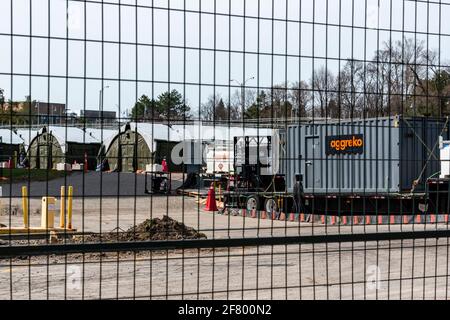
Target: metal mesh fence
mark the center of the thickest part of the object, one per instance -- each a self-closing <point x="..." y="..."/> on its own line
<point x="238" y="149"/>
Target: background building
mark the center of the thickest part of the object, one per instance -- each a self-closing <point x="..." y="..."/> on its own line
<point x="95" y="116"/>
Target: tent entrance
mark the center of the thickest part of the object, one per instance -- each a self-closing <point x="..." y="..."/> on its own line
<point x="128" y="158"/>
<point x="45" y="150"/>
<point x="44" y="159"/>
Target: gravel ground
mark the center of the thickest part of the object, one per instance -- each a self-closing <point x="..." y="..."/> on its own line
<point x="91" y="214"/>
<point x="407" y="270"/>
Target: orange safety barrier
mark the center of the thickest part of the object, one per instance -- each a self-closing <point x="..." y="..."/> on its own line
<point x="333" y="220"/>
<point x="432" y="218"/>
<point x="392" y="219"/>
<point x="405" y="219"/>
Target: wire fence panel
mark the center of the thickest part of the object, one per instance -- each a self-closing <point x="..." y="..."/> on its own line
<point x="241" y="149"/>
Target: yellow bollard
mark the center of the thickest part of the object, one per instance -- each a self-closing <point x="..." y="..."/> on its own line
<point x="69" y="207"/>
<point x="48" y="212"/>
<point x="25" y="207"/>
<point x="62" y="211"/>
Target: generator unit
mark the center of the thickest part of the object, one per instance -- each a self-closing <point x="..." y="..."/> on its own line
<point x="379" y="156"/>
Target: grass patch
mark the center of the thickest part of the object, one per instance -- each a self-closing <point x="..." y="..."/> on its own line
<point x="20" y="175"/>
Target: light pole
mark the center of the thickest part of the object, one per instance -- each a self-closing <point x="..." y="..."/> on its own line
<point x="100" y="101"/>
<point x="2" y="100"/>
<point x="242" y="85"/>
<point x="39" y="116"/>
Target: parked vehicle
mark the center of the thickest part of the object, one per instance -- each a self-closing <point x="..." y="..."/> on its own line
<point x="380" y="166"/>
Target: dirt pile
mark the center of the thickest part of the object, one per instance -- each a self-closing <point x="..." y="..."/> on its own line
<point x="154" y="229"/>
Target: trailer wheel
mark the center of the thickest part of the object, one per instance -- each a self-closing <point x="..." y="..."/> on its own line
<point x="224" y="210"/>
<point x="252" y="203"/>
<point x="271" y="206"/>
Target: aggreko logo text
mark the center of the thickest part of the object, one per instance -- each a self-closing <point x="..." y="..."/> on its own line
<point x="345" y="144"/>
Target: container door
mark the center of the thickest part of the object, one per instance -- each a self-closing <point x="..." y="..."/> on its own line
<point x="313" y="163"/>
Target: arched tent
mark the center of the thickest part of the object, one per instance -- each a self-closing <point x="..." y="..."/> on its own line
<point x="208" y="133"/>
<point x="52" y="145"/>
<point x="140" y="144"/>
<point x="10" y="145"/>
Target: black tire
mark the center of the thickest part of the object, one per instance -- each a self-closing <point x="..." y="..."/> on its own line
<point x="225" y="208"/>
<point x="271" y="206"/>
<point x="251" y="203"/>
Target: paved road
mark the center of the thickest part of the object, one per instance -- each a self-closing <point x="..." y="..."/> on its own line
<point x="407" y="270"/>
<point x="88" y="184"/>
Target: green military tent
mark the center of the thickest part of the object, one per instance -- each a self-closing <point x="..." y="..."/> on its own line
<point x="140" y="144"/>
<point x="52" y="145"/>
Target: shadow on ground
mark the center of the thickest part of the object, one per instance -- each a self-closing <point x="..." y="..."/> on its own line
<point x="91" y="184"/>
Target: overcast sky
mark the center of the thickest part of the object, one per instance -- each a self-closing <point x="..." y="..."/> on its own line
<point x="286" y="54"/>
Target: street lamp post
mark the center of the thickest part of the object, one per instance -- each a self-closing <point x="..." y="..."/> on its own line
<point x="39" y="116"/>
<point x="242" y="85"/>
<point x="2" y="101"/>
<point x="100" y="101"/>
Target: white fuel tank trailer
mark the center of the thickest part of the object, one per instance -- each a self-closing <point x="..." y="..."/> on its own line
<point x="444" y="158"/>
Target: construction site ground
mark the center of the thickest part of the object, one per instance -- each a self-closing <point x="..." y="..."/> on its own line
<point x="333" y="271"/>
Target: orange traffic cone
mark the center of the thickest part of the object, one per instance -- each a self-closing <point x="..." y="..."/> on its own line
<point x="211" y="200"/>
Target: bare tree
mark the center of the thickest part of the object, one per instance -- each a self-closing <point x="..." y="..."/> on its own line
<point x="433" y="89"/>
<point x="350" y="84"/>
<point x="280" y="106"/>
<point x="238" y="99"/>
<point x="216" y="109"/>
<point x="393" y="76"/>
<point x="323" y="84"/>
<point x="299" y="97"/>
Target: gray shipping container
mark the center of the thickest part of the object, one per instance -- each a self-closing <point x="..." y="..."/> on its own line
<point x="394" y="152"/>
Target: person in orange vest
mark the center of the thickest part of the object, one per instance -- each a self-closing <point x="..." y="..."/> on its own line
<point x="165" y="167"/>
